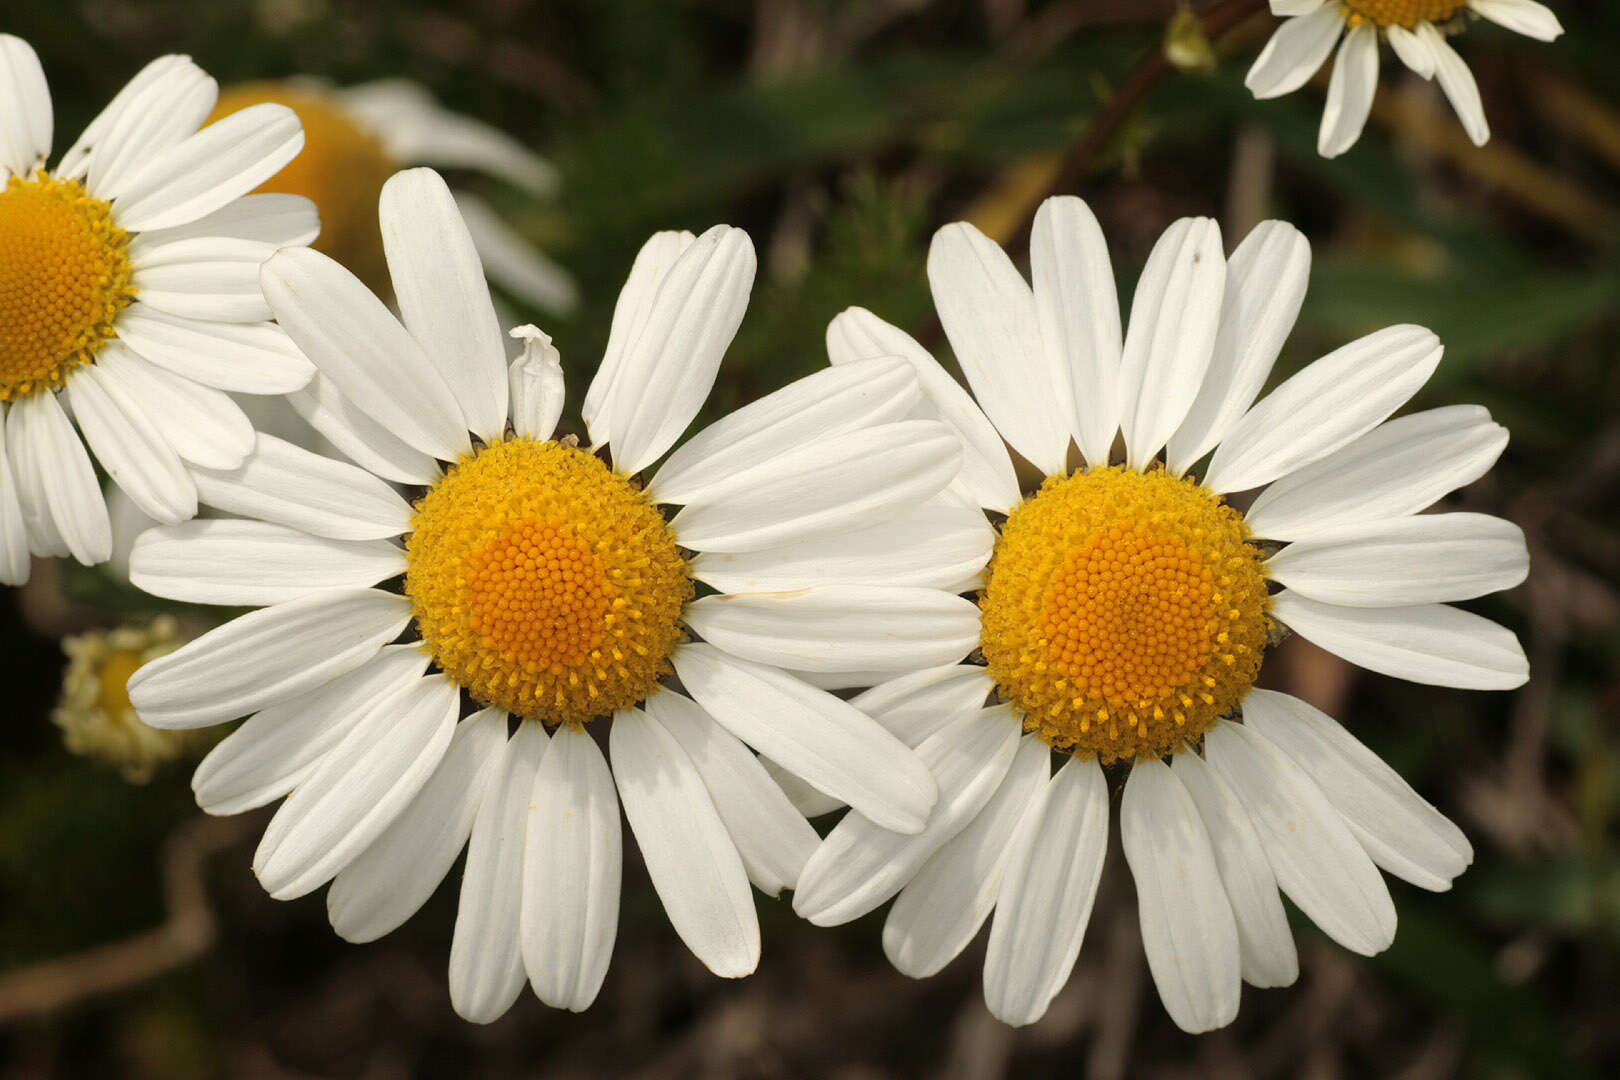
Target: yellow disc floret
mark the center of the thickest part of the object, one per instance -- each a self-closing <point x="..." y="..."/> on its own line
<point x="544" y="583"/>
<point x="64" y="277"/>
<point x="1402" y="13"/>
<point x="1124" y="613"/>
<point x="341" y="169"/>
<point x="94" y="712"/>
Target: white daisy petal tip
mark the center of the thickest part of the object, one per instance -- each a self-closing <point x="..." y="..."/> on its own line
<point x="536" y="378"/>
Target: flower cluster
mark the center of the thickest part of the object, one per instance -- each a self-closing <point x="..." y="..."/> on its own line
<point x="485" y="623"/>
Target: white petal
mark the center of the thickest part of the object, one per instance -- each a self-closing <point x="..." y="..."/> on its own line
<point x="486" y="953"/>
<point x="1521" y="16"/>
<point x="690" y="856"/>
<point x="277" y="747"/>
<point x="1430" y="558"/>
<point x="916" y="705"/>
<point x="839" y="680"/>
<point x="360" y="346"/>
<point x="1050" y="880"/>
<point x="826" y="741"/>
<point x="359" y="437"/>
<point x="358" y="789"/>
<point x="1343" y="395"/>
<point x="772" y="837"/>
<point x="1078" y="307"/>
<point x="26" y="123"/>
<point x="860" y="865"/>
<point x="287" y="485"/>
<point x="1401" y="830"/>
<point x="630" y="315"/>
<point x="512" y="263"/>
<point x="415" y="128"/>
<point x="1411" y="49"/>
<point x="1430" y="643"/>
<point x="205" y="427"/>
<point x="1350" y="91"/>
<point x="213" y="278"/>
<point x="1318" y="863"/>
<point x="1188" y="931"/>
<point x="164" y="112"/>
<point x="1265" y="942"/>
<point x="66" y="479"/>
<point x="27" y="455"/>
<point x="989" y="315"/>
<point x="266" y="656"/>
<point x="1295" y="52"/>
<point x="818" y="407"/>
<point x="840" y="627"/>
<point x="253" y="358"/>
<point x="1175" y="315"/>
<point x="987" y="478"/>
<point x="442" y="296"/>
<point x="573" y="858"/>
<point x="826" y="487"/>
<point x="1396" y="469"/>
<point x="131" y="449"/>
<point x="203" y="172"/>
<point x="248" y="563"/>
<point x="387" y="882"/>
<point x="14" y="563"/>
<point x="1266" y="278"/>
<point x="1458" y="83"/>
<point x="933" y="546"/>
<point x="669" y="367"/>
<point x="807" y="800"/>
<point x="76" y="160"/>
<point x="274" y="219"/>
<point x="946" y="902"/>
<point x="536" y="382"/>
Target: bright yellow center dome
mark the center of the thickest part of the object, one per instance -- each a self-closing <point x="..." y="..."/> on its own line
<point x="544" y="583"/>
<point x="64" y="277"/>
<point x="1125" y="612"/>
<point x="1403" y="13"/>
<point x="342" y="169"/>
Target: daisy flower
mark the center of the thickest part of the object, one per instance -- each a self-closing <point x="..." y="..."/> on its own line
<point x="129" y="286"/>
<point x="546" y="585"/>
<point x="1415" y="29"/>
<point x="1128" y="607"/>
<point x="93" y="709"/>
<point x="359" y="136"/>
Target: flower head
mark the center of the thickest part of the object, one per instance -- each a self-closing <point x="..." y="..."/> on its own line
<point x="553" y="587"/>
<point x="94" y="712"/>
<point x="1415" y="29"/>
<point x="129" y="285"/>
<point x="359" y="136"/>
<point x="1127" y="608"/>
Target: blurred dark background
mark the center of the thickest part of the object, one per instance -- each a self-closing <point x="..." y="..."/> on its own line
<point x="840" y="133"/>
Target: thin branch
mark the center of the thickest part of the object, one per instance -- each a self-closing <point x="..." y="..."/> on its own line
<point x="188" y="933"/>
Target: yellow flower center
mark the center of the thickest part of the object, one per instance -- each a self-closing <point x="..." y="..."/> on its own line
<point x="1125" y="612"/>
<point x="64" y="277"/>
<point x="544" y="583"/>
<point x="112" y="690"/>
<point x="1405" y="13"/>
<point x="342" y="169"/>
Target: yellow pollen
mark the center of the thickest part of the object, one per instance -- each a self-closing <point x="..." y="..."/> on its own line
<point x="342" y="169"/>
<point x="113" y="681"/>
<point x="1125" y="612"/>
<point x="544" y="583"/>
<point x="1403" y="13"/>
<point x="64" y="277"/>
